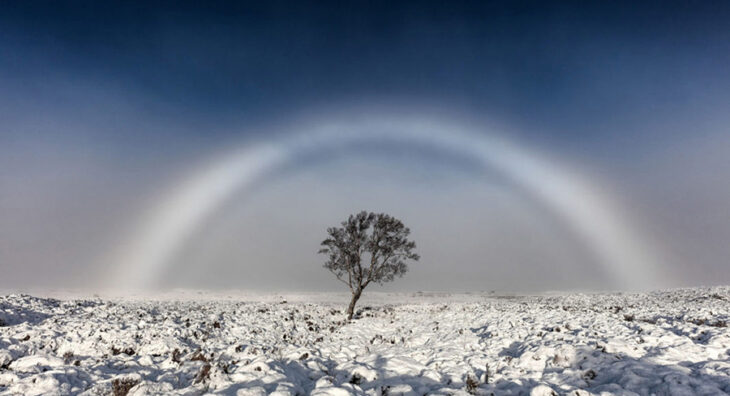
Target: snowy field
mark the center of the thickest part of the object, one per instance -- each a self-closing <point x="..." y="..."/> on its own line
<point x="665" y="343"/>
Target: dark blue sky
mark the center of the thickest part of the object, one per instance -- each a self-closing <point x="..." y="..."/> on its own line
<point x="580" y="70"/>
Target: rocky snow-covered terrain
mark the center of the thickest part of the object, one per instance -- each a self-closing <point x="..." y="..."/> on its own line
<point x="665" y="343"/>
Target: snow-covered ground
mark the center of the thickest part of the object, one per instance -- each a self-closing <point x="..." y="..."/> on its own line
<point x="673" y="342"/>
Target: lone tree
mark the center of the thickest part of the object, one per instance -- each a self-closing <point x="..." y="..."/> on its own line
<point x="369" y="247"/>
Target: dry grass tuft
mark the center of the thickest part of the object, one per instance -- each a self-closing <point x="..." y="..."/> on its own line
<point x="120" y="387"/>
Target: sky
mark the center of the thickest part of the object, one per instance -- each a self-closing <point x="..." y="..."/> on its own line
<point x="110" y="112"/>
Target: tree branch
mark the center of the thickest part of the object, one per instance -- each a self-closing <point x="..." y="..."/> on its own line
<point x="379" y="268"/>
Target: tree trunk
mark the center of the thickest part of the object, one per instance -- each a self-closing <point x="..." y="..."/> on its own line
<point x="351" y="309"/>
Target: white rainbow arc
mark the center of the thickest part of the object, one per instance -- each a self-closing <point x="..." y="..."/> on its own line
<point x="150" y="252"/>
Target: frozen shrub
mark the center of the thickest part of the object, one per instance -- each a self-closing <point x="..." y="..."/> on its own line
<point x="719" y="323"/>
<point x="121" y="386"/>
<point x="176" y="355"/>
<point x="471" y="385"/>
<point x="127" y="351"/>
<point x="198" y="357"/>
<point x="203" y="374"/>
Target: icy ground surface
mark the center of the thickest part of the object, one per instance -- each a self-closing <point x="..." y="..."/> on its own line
<point x="672" y="342"/>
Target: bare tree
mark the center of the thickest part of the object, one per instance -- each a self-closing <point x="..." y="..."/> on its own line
<point x="369" y="247"/>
